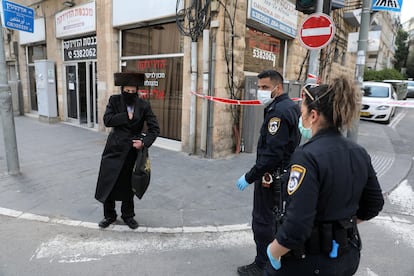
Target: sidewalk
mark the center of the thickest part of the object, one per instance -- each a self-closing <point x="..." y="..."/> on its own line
<point x="59" y="166"/>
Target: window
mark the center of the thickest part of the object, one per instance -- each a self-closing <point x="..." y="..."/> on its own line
<point x="163" y="80"/>
<point x="262" y="51"/>
<point x="36" y="53"/>
<point x="154" y="40"/>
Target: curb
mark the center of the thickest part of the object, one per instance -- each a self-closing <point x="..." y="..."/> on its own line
<point x="124" y="228"/>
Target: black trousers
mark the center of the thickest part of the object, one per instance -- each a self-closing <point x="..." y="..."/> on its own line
<point x="318" y="264"/>
<point x="263" y="236"/>
<point x="127" y="209"/>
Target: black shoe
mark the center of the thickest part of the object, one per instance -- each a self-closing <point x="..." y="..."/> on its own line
<point x="106" y="222"/>
<point x="250" y="270"/>
<point x="131" y="222"/>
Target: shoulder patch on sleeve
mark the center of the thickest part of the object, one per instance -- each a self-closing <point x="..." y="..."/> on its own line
<point x="273" y="126"/>
<point x="297" y="173"/>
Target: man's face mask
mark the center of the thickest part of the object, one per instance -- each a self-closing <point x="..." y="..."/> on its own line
<point x="265" y="96"/>
<point x="129" y="98"/>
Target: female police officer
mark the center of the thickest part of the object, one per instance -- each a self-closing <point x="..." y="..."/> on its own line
<point x="332" y="186"/>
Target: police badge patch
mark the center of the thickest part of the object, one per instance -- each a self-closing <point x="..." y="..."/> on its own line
<point x="273" y="125"/>
<point x="297" y="173"/>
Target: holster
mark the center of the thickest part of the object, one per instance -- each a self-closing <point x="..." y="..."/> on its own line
<point x="277" y="195"/>
<point x="344" y="232"/>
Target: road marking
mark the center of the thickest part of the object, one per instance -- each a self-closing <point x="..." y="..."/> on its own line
<point x="67" y="249"/>
<point x="398" y="118"/>
<point x="382" y="163"/>
<point x="403" y="196"/>
<point x="367" y="272"/>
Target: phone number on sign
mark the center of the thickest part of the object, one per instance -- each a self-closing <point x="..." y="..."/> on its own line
<point x="83" y="53"/>
<point x="262" y="54"/>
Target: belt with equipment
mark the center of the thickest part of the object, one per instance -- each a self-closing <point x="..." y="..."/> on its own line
<point x="332" y="238"/>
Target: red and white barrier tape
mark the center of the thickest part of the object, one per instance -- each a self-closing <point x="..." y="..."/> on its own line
<point x="232" y="101"/>
<point x="315" y="77"/>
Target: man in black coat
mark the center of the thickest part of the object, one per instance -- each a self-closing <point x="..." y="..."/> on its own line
<point x="126" y="113"/>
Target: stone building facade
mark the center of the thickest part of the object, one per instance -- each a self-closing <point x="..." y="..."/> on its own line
<point x="88" y="41"/>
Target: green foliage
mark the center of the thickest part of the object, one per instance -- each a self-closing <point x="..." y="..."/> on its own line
<point x="401" y="52"/>
<point x="386" y="74"/>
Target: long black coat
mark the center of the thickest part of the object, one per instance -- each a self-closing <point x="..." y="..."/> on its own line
<point x="118" y="157"/>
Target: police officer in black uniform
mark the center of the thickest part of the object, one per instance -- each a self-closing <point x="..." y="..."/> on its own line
<point x="279" y="136"/>
<point x="332" y="186"/>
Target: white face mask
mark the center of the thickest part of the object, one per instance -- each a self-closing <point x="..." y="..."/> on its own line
<point x="264" y="96"/>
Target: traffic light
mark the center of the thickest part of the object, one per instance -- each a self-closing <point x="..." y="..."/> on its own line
<point x="306" y="6"/>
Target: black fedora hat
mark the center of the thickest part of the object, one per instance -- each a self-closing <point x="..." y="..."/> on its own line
<point x="129" y="79"/>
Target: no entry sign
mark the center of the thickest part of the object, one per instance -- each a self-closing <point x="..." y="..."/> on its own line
<point x="316" y="31"/>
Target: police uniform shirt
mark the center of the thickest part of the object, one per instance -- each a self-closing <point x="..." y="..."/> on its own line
<point x="331" y="178"/>
<point x="279" y="136"/>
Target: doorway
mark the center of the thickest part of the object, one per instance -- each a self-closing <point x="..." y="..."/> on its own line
<point x="81" y="97"/>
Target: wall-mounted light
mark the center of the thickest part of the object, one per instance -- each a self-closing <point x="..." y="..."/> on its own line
<point x="69" y="4"/>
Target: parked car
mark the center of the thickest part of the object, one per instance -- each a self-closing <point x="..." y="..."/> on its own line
<point x="374" y="99"/>
<point x="410" y="88"/>
<point x="400" y="88"/>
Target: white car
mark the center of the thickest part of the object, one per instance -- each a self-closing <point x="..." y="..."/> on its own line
<point x="374" y="106"/>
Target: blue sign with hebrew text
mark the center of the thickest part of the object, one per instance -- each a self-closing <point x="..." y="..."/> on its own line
<point x="387" y="5"/>
<point x="18" y="17"/>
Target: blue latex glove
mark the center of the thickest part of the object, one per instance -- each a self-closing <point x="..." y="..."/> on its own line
<point x="275" y="263"/>
<point x="242" y="183"/>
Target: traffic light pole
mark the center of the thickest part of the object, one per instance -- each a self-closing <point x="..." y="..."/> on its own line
<point x="360" y="62"/>
<point x="6" y="114"/>
<point x="313" y="68"/>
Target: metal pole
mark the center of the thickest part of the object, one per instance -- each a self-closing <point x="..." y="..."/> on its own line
<point x="193" y="103"/>
<point x="206" y="52"/>
<point x="352" y="133"/>
<point x="313" y="67"/>
<point x="6" y="114"/>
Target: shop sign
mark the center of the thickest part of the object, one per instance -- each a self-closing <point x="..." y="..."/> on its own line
<point x="127" y="12"/>
<point x="262" y="51"/>
<point x="83" y="48"/>
<point x="264" y="55"/>
<point x="75" y="21"/>
<point x="279" y="15"/>
<point x="153" y="71"/>
<point x="374" y="38"/>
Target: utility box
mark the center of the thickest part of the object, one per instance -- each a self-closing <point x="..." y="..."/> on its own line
<point x="252" y="116"/>
<point x="46" y="90"/>
<point x="293" y="88"/>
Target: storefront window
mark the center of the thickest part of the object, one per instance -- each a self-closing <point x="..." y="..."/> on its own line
<point x="36" y="53"/>
<point x="154" y="40"/>
<point x="163" y="75"/>
<point x="163" y="88"/>
<point x="262" y="51"/>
